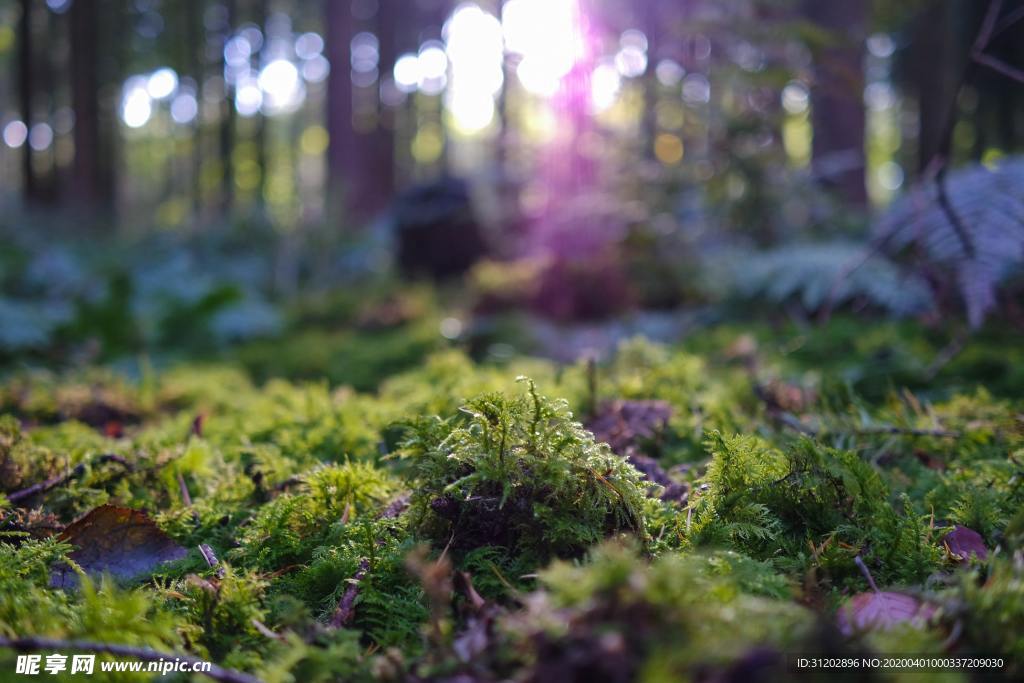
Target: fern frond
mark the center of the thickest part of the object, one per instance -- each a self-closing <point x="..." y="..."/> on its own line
<point x="974" y="230"/>
<point x="817" y="275"/>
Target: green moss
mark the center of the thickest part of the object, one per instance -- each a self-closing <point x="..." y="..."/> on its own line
<point x="288" y="482"/>
<point x="518" y="471"/>
<point x="810" y="506"/>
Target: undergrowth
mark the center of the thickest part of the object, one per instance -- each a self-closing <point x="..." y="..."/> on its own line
<point x="456" y="522"/>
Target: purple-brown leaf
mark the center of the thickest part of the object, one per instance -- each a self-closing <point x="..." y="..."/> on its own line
<point x="118" y="541"/>
<point x="882" y="610"/>
<point x="623" y="424"/>
<point x="962" y="542"/>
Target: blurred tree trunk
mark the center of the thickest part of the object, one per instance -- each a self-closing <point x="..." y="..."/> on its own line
<point x="837" y="97"/>
<point x="194" y="61"/>
<point x="341" y="135"/>
<point x="382" y="141"/>
<point x="26" y="92"/>
<point x="937" y="62"/>
<point x="93" y="167"/>
<point x="228" y="122"/>
<point x="261" y="121"/>
<point x="360" y="155"/>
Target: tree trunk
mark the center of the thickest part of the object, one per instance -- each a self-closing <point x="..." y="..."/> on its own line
<point x="30" y="185"/>
<point x="228" y="125"/>
<point x="360" y="162"/>
<point x="837" y="97"/>
<point x="341" y="135"/>
<point x="93" y="185"/>
<point x="937" y="61"/>
<point x="382" y="139"/>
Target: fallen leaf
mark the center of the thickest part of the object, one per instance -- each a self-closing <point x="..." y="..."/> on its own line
<point x="118" y="541"/>
<point x="622" y="424"/>
<point x="882" y="610"/>
<point x="962" y="542"/>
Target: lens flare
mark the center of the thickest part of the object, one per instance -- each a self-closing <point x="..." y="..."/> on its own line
<point x="547" y="35"/>
<point x="282" y="87"/>
<point x="136" y="104"/>
<point x="162" y="83"/>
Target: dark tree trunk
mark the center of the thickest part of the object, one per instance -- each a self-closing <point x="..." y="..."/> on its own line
<point x="382" y="143"/>
<point x="228" y="124"/>
<point x="360" y="160"/>
<point x="837" y="97"/>
<point x="195" y="62"/>
<point x="341" y="135"/>
<point x="92" y="185"/>
<point x="30" y="184"/>
<point x="937" y="62"/>
<point x="260" y="136"/>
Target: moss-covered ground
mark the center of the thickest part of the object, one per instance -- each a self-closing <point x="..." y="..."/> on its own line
<point x="742" y="498"/>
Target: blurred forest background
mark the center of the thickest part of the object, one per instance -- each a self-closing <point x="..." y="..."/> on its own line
<point x="333" y="188"/>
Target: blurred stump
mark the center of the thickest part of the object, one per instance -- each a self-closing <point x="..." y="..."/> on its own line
<point x="436" y="229"/>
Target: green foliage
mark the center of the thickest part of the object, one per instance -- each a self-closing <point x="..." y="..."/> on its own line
<point x="288" y="484"/>
<point x="658" y="621"/>
<point x="288" y="528"/>
<point x="992" y="606"/>
<point x="518" y="471"/>
<point x="817" y="276"/>
<point x="778" y="505"/>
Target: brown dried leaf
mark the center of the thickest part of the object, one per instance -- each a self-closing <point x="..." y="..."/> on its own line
<point x="882" y="610"/>
<point x="118" y="541"/>
<point x="962" y="543"/>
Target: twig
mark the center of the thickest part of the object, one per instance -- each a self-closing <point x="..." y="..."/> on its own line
<point x="288" y="483"/>
<point x="1000" y="66"/>
<point x="114" y="457"/>
<point x="211" y="559"/>
<point x="197" y="425"/>
<point x="591" y="385"/>
<point x="948" y="353"/>
<point x="217" y="673"/>
<point x="186" y="498"/>
<point x="265" y="631"/>
<point x="44" y="486"/>
<point x="942" y="195"/>
<point x="866" y="572"/>
<point x="1008" y="21"/>
<point x="345" y="611"/>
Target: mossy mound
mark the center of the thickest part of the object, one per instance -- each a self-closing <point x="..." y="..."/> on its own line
<point x="518" y="472"/>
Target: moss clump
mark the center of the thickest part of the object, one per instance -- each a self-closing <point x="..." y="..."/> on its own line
<point x="517" y="471"/>
<point x="809" y="506"/>
<point x="288" y="528"/>
<point x="682" y="617"/>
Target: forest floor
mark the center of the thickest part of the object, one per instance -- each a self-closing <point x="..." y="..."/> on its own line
<point x="709" y="510"/>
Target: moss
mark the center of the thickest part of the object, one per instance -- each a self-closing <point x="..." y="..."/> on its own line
<point x="810" y="506"/>
<point x="287" y="529"/>
<point x="288" y="482"/>
<point x="517" y="471"/>
<point x="619" y="618"/>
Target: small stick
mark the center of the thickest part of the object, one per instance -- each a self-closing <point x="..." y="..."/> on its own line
<point x="866" y="572"/>
<point x="44" y="486"/>
<point x="217" y="673"/>
<point x="185" y="497"/>
<point x="265" y="631"/>
<point x="346" y="611"/>
<point x="211" y="559"/>
<point x="592" y="385"/>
